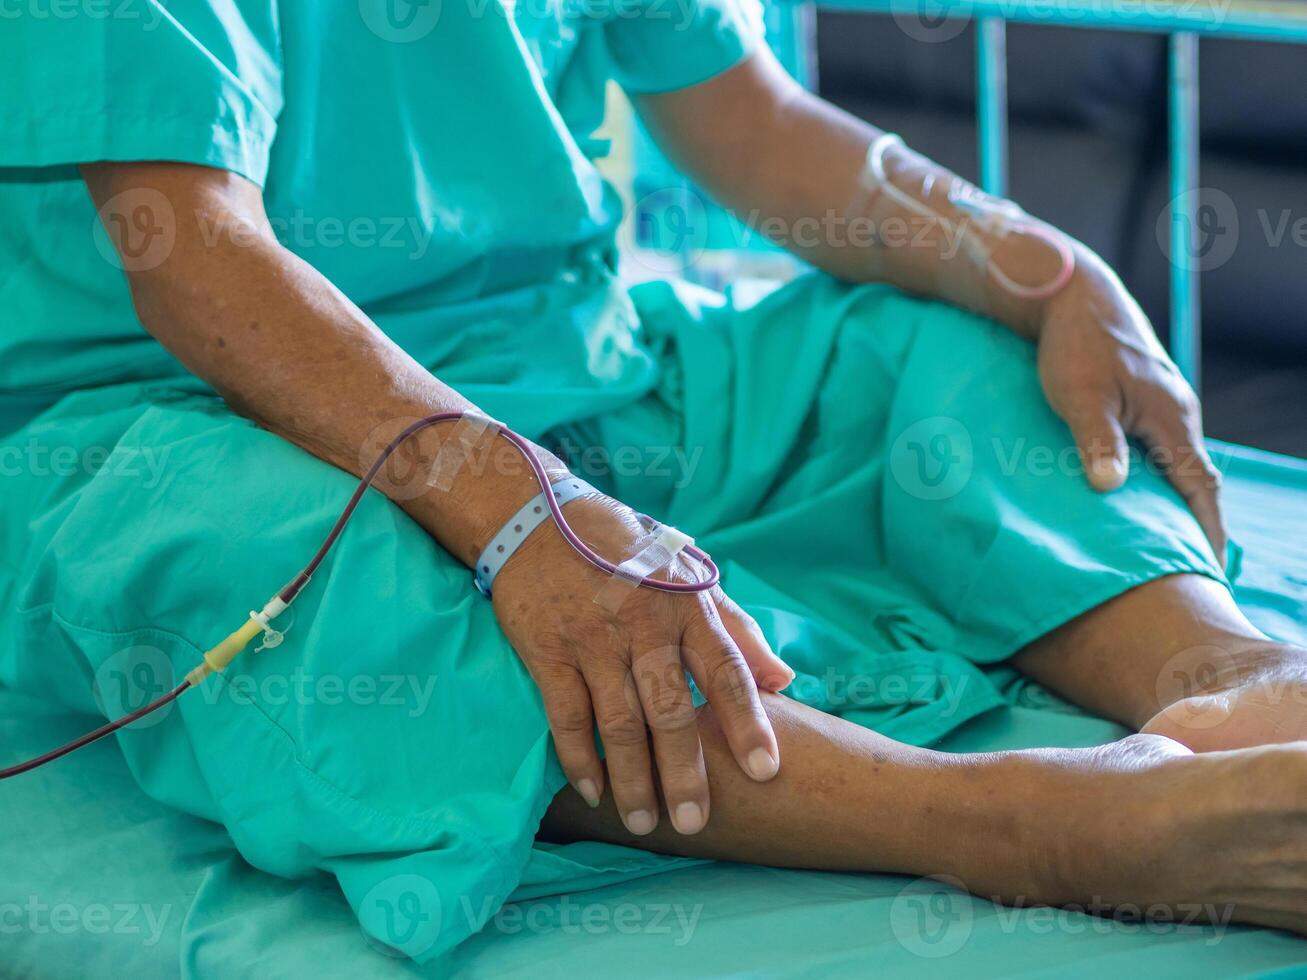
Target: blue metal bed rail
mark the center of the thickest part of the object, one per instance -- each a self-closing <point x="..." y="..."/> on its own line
<point x="1185" y="21"/>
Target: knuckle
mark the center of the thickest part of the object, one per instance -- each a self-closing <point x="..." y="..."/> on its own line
<point x="624" y="732"/>
<point x="571" y="719"/>
<point x="668" y="708"/>
<point x="1175" y="393"/>
<point x="661" y="664"/>
<point x="1154" y="380"/>
<point x="1208" y="485"/>
<point x="681" y="570"/>
<point x="1187" y="399"/>
<point x="657" y="681"/>
<point x="633" y="789"/>
<point x="552" y="672"/>
<point x="729" y="682"/>
<point x="1213" y="475"/>
<point x="1194" y="470"/>
<point x="732" y="608"/>
<point x="1135" y="367"/>
<point x="681" y="776"/>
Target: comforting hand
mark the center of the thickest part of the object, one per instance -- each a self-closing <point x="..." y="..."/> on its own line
<point x="626" y="669"/>
<point x="1105" y="373"/>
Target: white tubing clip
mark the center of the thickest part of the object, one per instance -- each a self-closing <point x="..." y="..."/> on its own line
<point x="272" y="637"/>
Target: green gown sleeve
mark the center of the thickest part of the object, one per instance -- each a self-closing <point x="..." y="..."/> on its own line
<point x="661" y="45"/>
<point x="194" y="82"/>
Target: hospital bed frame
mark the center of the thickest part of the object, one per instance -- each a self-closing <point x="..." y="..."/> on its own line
<point x="1184" y="21"/>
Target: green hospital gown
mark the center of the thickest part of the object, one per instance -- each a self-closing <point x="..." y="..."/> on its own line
<point x="878" y="476"/>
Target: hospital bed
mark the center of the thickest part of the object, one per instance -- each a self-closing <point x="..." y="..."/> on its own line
<point x="96" y="879"/>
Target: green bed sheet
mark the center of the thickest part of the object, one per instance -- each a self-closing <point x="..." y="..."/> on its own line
<point x="97" y="880"/>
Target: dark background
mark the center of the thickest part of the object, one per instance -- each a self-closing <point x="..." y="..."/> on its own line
<point x="1088" y="152"/>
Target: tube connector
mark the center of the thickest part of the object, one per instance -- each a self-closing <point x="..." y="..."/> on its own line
<point x="216" y="659"/>
<point x="274" y="608"/>
<point x="272" y="637"/>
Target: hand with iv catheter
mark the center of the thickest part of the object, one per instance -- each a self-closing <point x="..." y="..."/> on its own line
<point x="230" y="317"/>
<point x="286" y="348"/>
<point x="896" y="217"/>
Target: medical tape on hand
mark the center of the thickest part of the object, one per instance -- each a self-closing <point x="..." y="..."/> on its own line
<point x="456" y="449"/>
<point x="657" y="553"/>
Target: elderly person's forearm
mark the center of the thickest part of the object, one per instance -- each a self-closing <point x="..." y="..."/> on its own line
<point x="286" y="348"/>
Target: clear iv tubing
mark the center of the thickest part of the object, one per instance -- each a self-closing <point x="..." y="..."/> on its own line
<point x="876" y="165"/>
<point x="297" y="584"/>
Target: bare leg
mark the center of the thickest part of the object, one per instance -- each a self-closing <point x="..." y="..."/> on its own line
<point x="834" y="777"/>
<point x="1176" y="657"/>
<point x="1221" y="829"/>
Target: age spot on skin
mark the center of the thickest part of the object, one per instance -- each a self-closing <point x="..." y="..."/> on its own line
<point x="824" y="784"/>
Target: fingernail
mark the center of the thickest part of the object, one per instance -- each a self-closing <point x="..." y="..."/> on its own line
<point x="640" y="822"/>
<point x="589" y="792"/>
<point x="687" y="818"/>
<point x="778" y="681"/>
<point x="762" y="764"/>
<point x="1110" y="468"/>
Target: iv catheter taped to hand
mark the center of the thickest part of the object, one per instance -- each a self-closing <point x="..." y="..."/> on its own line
<point x="658" y="552"/>
<point x="900" y="189"/>
<point x="469" y="427"/>
<point x="458" y="448"/>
